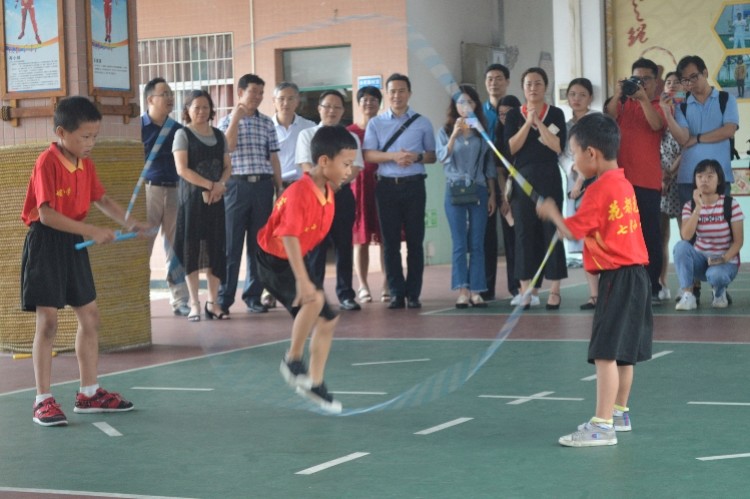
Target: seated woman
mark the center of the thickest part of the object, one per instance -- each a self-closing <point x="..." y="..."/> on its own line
<point x="712" y="237"/>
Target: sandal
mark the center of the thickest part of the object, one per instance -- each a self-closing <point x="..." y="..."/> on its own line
<point x="385" y="296"/>
<point x="195" y="312"/>
<point x="589" y="305"/>
<point x="364" y="295"/>
<point x="463" y="301"/>
<point x="212" y="315"/>
<point x="550" y="306"/>
<point x="477" y="301"/>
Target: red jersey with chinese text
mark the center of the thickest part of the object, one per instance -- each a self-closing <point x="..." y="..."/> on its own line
<point x="68" y="188"/>
<point x="302" y="211"/>
<point x="609" y="223"/>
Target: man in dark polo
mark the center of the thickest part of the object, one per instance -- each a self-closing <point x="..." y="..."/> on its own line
<point x="400" y="192"/>
<point x="161" y="185"/>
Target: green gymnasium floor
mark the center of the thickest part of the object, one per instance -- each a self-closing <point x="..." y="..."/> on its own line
<point x="213" y="418"/>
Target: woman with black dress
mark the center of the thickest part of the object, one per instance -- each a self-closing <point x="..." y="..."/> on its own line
<point x="536" y="135"/>
<point x="202" y="158"/>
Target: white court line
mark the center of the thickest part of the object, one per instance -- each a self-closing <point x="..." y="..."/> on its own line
<point x="106" y="428"/>
<point x="654" y="356"/>
<point x="520" y="399"/>
<point x="443" y="426"/>
<point x="718" y="458"/>
<point x="169" y="388"/>
<point x="743" y="404"/>
<point x="405" y="361"/>
<point x="330" y="464"/>
<point x="359" y="393"/>
<point x="84" y="493"/>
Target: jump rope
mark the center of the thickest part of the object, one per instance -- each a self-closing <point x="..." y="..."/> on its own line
<point x="457" y="375"/>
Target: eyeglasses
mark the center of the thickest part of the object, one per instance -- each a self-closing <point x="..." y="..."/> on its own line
<point x="331" y="108"/>
<point x="690" y="79"/>
<point x="166" y="95"/>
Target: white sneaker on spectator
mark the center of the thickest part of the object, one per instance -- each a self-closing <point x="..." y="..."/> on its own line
<point x="516" y="300"/>
<point x="665" y="294"/>
<point x="720" y="301"/>
<point x="687" y="302"/>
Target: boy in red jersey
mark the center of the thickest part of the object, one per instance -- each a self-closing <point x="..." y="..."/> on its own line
<point x="609" y="222"/>
<point x="53" y="273"/>
<point x="300" y="220"/>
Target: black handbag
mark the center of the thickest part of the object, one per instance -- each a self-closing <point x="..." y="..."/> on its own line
<point x="463" y="193"/>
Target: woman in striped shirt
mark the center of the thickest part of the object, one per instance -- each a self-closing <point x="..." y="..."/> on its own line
<point x="711" y="237"/>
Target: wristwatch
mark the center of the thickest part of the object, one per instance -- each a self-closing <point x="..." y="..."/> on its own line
<point x="420" y="157"/>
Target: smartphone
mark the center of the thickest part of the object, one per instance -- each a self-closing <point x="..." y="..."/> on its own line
<point x="678" y="97"/>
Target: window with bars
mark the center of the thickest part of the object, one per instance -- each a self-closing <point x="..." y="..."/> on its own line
<point x="200" y="62"/>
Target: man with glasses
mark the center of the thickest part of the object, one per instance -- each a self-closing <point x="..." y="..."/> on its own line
<point x="331" y="108"/>
<point x="642" y="124"/>
<point x="161" y="185"/>
<point x="400" y="192"/>
<point x="248" y="201"/>
<point x="702" y="125"/>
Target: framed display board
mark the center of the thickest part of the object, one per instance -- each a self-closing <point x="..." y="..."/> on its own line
<point x="33" y="49"/>
<point x="111" y="46"/>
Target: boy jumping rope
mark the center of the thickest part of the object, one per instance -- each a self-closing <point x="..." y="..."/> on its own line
<point x="63" y="185"/>
<point x="609" y="223"/>
<point x="300" y="220"/>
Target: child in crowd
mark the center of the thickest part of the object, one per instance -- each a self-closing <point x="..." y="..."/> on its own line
<point x="301" y="219"/>
<point x="63" y="185"/>
<point x="609" y="222"/>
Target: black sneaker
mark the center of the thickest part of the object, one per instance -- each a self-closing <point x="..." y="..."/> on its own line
<point x="294" y="373"/>
<point x="320" y="396"/>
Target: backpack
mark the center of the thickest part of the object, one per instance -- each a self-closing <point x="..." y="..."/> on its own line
<point x="727" y="216"/>
<point x="723" y="98"/>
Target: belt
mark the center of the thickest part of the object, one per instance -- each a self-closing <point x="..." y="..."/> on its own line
<point x="161" y="184"/>
<point x="402" y="180"/>
<point x="253" y="178"/>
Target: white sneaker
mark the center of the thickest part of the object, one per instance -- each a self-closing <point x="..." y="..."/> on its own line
<point x="664" y="294"/>
<point x="720" y="301"/>
<point x="687" y="302"/>
<point x="516" y="300"/>
<point x="535" y="301"/>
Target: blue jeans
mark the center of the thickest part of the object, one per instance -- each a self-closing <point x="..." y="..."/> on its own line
<point x="471" y="220"/>
<point x="691" y="264"/>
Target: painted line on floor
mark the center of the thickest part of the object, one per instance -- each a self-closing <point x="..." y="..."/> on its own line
<point x="106" y="428"/>
<point x="522" y="399"/>
<point x="654" y="356"/>
<point x="84" y="493"/>
<point x="171" y="388"/>
<point x="719" y="458"/>
<point x="405" y="361"/>
<point x="359" y="393"/>
<point x="330" y="464"/>
<point x="443" y="426"/>
<point x="742" y="404"/>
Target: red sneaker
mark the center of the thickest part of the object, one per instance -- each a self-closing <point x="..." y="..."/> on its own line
<point x="102" y="401"/>
<point x="48" y="413"/>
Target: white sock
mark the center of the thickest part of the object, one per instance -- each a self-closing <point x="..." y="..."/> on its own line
<point x="42" y="398"/>
<point x="90" y="390"/>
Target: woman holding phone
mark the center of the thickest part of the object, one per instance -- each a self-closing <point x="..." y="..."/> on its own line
<point x="467" y="161"/>
<point x="536" y="135"/>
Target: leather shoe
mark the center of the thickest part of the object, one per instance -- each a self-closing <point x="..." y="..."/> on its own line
<point x="182" y="310"/>
<point x="349" y="304"/>
<point x="413" y="303"/>
<point x="396" y="302"/>
<point x="257" y="308"/>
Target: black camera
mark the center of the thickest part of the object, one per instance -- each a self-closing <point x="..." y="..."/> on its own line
<point x="630" y="86"/>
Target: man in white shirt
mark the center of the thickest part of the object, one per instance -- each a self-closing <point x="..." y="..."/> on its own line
<point x="331" y="108"/>
<point x="288" y="125"/>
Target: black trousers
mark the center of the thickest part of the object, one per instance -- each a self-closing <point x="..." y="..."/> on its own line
<point x="400" y="206"/>
<point x="649" y="207"/>
<point x="340" y="238"/>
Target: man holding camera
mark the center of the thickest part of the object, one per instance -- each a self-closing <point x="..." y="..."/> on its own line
<point x="635" y="106"/>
